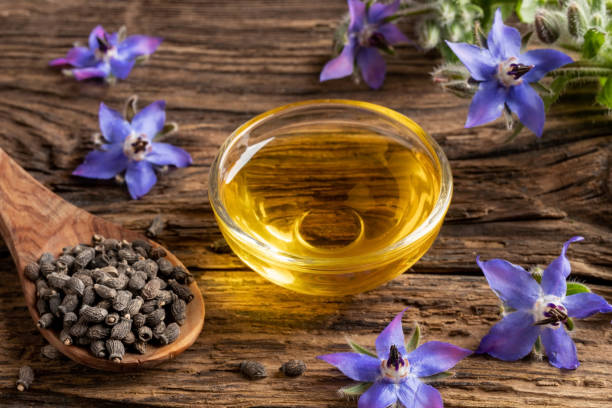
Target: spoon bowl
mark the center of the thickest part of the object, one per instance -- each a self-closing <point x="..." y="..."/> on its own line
<point x="34" y="220"/>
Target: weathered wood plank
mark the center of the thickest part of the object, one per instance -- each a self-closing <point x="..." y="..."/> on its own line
<point x="220" y="64"/>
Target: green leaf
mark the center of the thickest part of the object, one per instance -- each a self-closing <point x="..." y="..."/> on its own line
<point x="537" y="347"/>
<point x="413" y="343"/>
<point x="569" y="323"/>
<point x="593" y="40"/>
<point x="525" y="39"/>
<point x="437" y="377"/>
<point x="354" y="390"/>
<point x="575" y="287"/>
<point x="360" y="349"/>
<point x="604" y="97"/>
<point x="131" y="108"/>
<point x="526" y="10"/>
<point x="536" y="273"/>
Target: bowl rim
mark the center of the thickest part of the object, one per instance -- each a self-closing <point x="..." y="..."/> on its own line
<point x="386" y="254"/>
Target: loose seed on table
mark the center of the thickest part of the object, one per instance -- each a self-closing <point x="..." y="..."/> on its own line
<point x="293" y="368"/>
<point x="26" y="377"/>
<point x="253" y="370"/>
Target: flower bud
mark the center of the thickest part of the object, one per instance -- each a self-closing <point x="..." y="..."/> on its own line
<point x="547" y="26"/>
<point x="576" y="21"/>
<point x="429" y="35"/>
<point x="597" y="20"/>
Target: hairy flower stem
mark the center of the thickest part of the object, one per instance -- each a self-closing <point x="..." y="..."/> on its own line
<point x="411" y="11"/>
<point x="575" y="72"/>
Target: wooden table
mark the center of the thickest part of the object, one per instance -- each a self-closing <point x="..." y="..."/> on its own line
<point x="220" y="64"/>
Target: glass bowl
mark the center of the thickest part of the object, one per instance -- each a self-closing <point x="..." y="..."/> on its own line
<point x="330" y="197"/>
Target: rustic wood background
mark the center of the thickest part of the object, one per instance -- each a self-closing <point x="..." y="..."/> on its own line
<point x="223" y="62"/>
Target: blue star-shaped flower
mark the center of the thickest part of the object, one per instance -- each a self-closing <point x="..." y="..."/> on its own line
<point x="504" y="74"/>
<point x="368" y="30"/>
<point x="107" y="55"/>
<point x="130" y="148"/>
<point x="540" y="310"/>
<point x="395" y="373"/>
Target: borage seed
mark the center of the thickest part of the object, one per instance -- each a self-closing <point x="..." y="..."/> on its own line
<point x="293" y="368"/>
<point x="253" y="370"/>
<point x="111" y="319"/>
<point x="93" y="314"/>
<point x="26" y="378"/>
<point x="98" y="348"/>
<point x="45" y="320"/>
<point x="170" y="334"/>
<point x="121" y="329"/>
<point x="115" y="349"/>
<point x="32" y="271"/>
<point x="50" y="352"/>
<point x="98" y="332"/>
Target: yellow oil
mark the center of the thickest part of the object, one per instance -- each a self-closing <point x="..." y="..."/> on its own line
<point x="329" y="194"/>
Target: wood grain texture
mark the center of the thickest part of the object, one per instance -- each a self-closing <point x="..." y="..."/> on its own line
<point x="220" y="64"/>
<point x="33" y="221"/>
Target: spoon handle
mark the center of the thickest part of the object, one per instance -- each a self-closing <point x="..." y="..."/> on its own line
<point x="30" y="214"/>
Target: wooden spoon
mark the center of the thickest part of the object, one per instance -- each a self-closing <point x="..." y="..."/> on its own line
<point x="33" y="220"/>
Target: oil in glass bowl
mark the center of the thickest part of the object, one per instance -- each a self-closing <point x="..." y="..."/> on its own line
<point x="331" y="200"/>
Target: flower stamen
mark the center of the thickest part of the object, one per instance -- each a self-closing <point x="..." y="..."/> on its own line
<point x="518" y="70"/>
<point x="548" y="311"/>
<point x="136" y="147"/>
<point x="395" y="368"/>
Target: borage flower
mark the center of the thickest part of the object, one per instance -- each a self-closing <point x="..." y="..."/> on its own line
<point x="539" y="311"/>
<point x="129" y="147"/>
<point x="395" y="372"/>
<point x="504" y="73"/>
<point x="107" y="56"/>
<point x="368" y="31"/>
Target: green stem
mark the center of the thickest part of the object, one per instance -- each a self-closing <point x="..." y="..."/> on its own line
<point x="411" y="11"/>
<point x="581" y="72"/>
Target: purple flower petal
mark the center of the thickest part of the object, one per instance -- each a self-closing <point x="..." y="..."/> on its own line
<point x="100" y="164"/>
<point x="340" y="66"/>
<point x="392" y="335"/>
<point x="392" y="34"/>
<point x="90" y="72"/>
<point x="114" y="128"/>
<point x="121" y="68"/>
<point x="406" y="391"/>
<point x="487" y="104"/>
<point x="357" y="14"/>
<point x="434" y="357"/>
<point x="585" y="304"/>
<point x="477" y="60"/>
<point x="140" y="178"/>
<point x="528" y="106"/>
<point x="379" y="395"/>
<point x="97" y="32"/>
<point x="380" y="11"/>
<point x="358" y="367"/>
<point x="561" y="263"/>
<point x="544" y="61"/>
<point x="137" y="45"/>
<point x="503" y="41"/>
<point x="511" y="338"/>
<point x="427" y="396"/>
<point x="150" y="120"/>
<point x="560" y="349"/>
<point x="165" y="154"/>
<point x="77" y="57"/>
<point x="112" y="38"/>
<point x="512" y="284"/>
<point x="372" y="66"/>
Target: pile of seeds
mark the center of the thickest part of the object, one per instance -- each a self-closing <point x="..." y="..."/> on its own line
<point x="111" y="296"/>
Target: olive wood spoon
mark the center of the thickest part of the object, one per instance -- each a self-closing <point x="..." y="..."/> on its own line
<point x="33" y="220"/>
